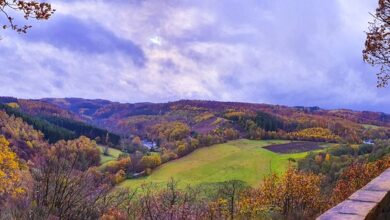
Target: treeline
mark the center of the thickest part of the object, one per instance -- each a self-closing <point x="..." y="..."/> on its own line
<point x="52" y="132"/>
<point x="80" y="128"/>
<point x="262" y="120"/>
<point x="57" y="128"/>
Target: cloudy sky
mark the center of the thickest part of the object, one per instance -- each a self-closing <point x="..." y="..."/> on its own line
<point x="290" y="52"/>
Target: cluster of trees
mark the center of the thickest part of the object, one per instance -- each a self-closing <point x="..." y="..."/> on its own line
<point x="10" y="172"/>
<point x="24" y="140"/>
<point x="314" y="134"/>
<point x="293" y="195"/>
<point x="347" y="168"/>
<point x="38" y="108"/>
<point x="132" y="145"/>
<point x="59" y="182"/>
<point x="355" y="177"/>
<point x="174" y="138"/>
<point x="52" y="132"/>
<point x="261" y="120"/>
<point x="203" y="117"/>
<point x="80" y="128"/>
<point x="169" y="132"/>
<point x="262" y="125"/>
<point x="376" y="133"/>
<point x="57" y="128"/>
<point x="150" y="161"/>
<point x="119" y="170"/>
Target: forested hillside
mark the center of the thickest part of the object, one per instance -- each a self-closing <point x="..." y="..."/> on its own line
<point x="55" y="140"/>
<point x="134" y="118"/>
<point x="178" y="128"/>
<point x="212" y="121"/>
<point x="55" y="123"/>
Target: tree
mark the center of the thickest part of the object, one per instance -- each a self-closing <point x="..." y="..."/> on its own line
<point x="355" y="177"/>
<point x="294" y="195"/>
<point x="151" y="161"/>
<point x="28" y="9"/>
<point x="9" y="170"/>
<point x="170" y="203"/>
<point x="62" y="190"/>
<point x="136" y="141"/>
<point x="82" y="150"/>
<point x="123" y="163"/>
<point x="230" y="191"/>
<point x="377" y="45"/>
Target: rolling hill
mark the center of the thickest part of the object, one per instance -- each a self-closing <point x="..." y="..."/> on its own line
<point x="244" y="160"/>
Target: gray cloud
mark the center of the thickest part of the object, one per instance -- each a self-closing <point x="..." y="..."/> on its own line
<point x="284" y="52"/>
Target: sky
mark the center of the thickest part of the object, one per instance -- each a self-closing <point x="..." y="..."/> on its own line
<point x="288" y="52"/>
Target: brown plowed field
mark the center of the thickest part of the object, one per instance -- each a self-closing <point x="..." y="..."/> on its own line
<point x="294" y="147"/>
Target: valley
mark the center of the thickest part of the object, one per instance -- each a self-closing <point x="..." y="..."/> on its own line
<point x="194" y="110"/>
<point x="206" y="153"/>
<point x="244" y="160"/>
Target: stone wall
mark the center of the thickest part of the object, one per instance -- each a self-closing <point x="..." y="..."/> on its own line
<point x="370" y="202"/>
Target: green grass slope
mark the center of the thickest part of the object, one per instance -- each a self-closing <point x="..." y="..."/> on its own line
<point x="113" y="154"/>
<point x="244" y="160"/>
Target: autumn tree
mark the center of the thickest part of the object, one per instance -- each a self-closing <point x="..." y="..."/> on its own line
<point x="63" y="189"/>
<point x="170" y="203"/>
<point x="23" y="139"/>
<point x="355" y="177"/>
<point x="151" y="161"/>
<point x="136" y="141"/>
<point x="293" y="195"/>
<point x="118" y="170"/>
<point x="230" y="134"/>
<point x="82" y="151"/>
<point x="170" y="131"/>
<point x="377" y="45"/>
<point x="230" y="191"/>
<point x="9" y="171"/>
<point x="26" y="9"/>
<point x="315" y="134"/>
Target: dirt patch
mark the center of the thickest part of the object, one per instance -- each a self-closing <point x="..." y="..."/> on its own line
<point x="294" y="147"/>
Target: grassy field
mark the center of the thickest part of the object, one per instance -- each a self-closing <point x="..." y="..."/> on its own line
<point x="112" y="154"/>
<point x="244" y="160"/>
<point x="367" y="126"/>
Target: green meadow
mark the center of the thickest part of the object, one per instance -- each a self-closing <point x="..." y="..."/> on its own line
<point x="113" y="154"/>
<point x="243" y="159"/>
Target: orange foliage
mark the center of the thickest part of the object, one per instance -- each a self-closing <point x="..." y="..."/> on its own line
<point x="315" y="134"/>
<point x="24" y="140"/>
<point x="295" y="194"/>
<point x="171" y="131"/>
<point x="355" y="177"/>
<point x="123" y="164"/>
<point x="9" y="170"/>
<point x="83" y="149"/>
<point x="28" y="10"/>
<point x="151" y="161"/>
